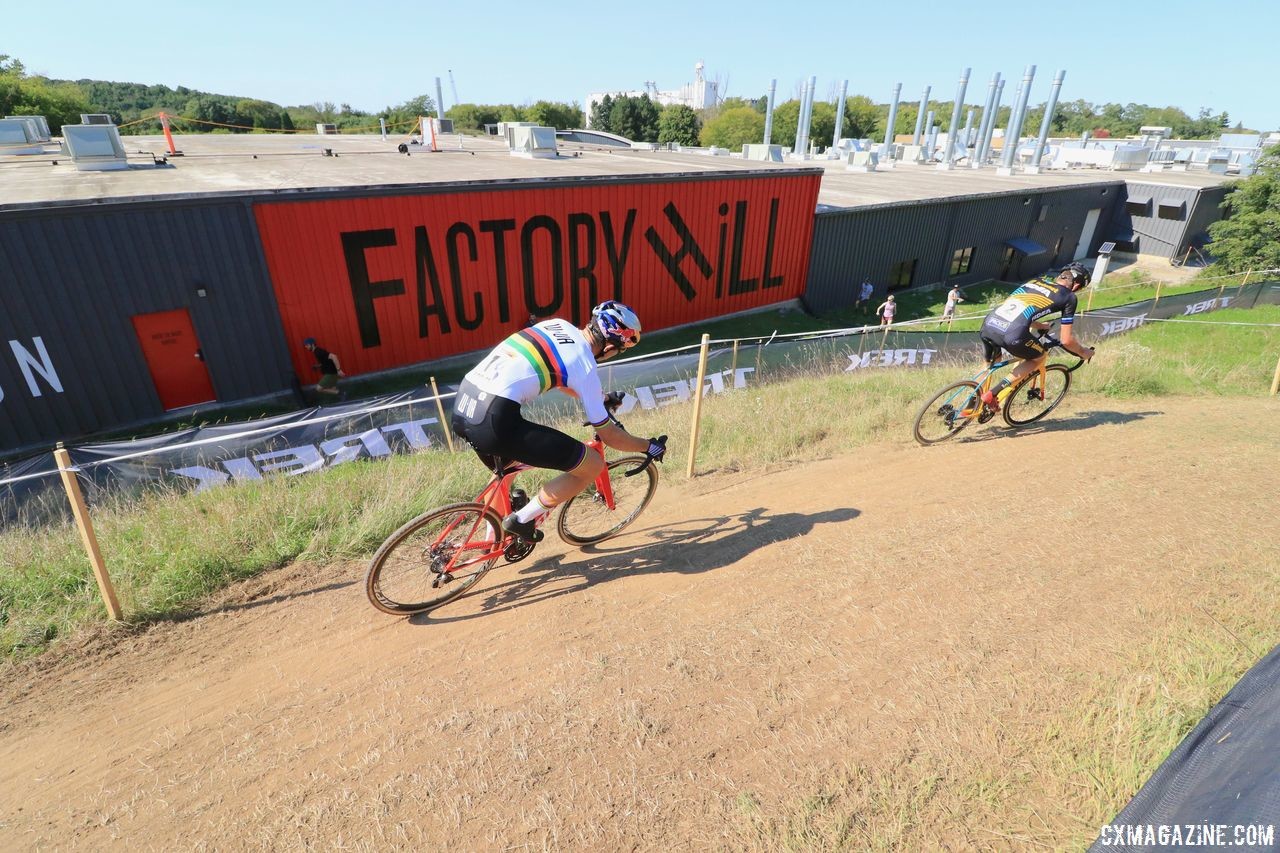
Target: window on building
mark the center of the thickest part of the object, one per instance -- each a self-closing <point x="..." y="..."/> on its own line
<point x="902" y="274"/>
<point x="961" y="260"/>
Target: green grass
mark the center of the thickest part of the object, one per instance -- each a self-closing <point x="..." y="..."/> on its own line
<point x="167" y="551"/>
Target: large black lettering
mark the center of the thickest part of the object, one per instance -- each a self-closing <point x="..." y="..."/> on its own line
<point x="456" y="230"/>
<point x="768" y="280"/>
<point x="688" y="248"/>
<point x="617" y="254"/>
<point x="582" y="235"/>
<point x="738" y="284"/>
<point x="427" y="274"/>
<point x="527" y="234"/>
<point x="363" y="291"/>
<point x="721" y="245"/>
<point x="498" y="228"/>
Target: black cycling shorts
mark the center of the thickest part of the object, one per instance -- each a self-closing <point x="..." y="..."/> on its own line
<point x="495" y="429"/>
<point x="1029" y="349"/>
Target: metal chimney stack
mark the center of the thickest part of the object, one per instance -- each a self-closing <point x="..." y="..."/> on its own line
<point x="968" y="130"/>
<point x="806" y="112"/>
<point x="949" y="156"/>
<point x="844" y="90"/>
<point x="924" y="105"/>
<point x="991" y="126"/>
<point x="1034" y="168"/>
<point x="887" y="149"/>
<point x="1015" y="123"/>
<point x="930" y="136"/>
<point x="439" y="100"/>
<point x="986" y="119"/>
<point x="768" y="116"/>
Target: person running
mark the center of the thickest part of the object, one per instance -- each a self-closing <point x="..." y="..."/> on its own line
<point x="546" y="355"/>
<point x="864" y="296"/>
<point x="1013" y="325"/>
<point x="329" y="367"/>
<point x="886" y="310"/>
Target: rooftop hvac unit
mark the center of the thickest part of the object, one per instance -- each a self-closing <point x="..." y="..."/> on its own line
<point x="444" y="125"/>
<point x="766" y="153"/>
<point x="326" y="129"/>
<point x="531" y="141"/>
<point x="1129" y="158"/>
<point x="95" y="118"/>
<point x="94" y="147"/>
<point x="18" y="136"/>
<point x="39" y="125"/>
<point x="1219" y="159"/>
<point x="862" y="161"/>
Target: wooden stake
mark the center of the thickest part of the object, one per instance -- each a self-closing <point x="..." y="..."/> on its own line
<point x="1275" y="380"/>
<point x="85" y="525"/>
<point x="1088" y="305"/>
<point x="733" y="368"/>
<point x="697" y="403"/>
<point x="444" y="424"/>
<point x="1159" y="284"/>
<point x="1243" y="282"/>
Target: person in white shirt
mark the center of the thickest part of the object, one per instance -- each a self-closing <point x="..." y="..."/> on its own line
<point x="864" y="295"/>
<point x="949" y="311"/>
<point x="546" y="355"/>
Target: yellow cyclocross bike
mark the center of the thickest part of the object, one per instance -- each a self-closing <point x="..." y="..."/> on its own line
<point x="960" y="403"/>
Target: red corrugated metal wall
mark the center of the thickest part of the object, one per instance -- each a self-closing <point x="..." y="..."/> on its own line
<point x="395" y="280"/>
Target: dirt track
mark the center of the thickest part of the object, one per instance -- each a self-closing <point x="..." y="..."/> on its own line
<point x="760" y="640"/>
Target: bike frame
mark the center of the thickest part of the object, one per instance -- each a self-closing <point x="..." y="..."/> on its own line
<point x="496" y="495"/>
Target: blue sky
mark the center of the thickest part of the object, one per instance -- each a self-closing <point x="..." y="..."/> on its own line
<point x="384" y="52"/>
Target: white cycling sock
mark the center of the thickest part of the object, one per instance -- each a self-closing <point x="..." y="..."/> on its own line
<point x="533" y="509"/>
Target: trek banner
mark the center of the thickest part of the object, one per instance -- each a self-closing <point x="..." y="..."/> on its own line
<point x="319" y="438"/>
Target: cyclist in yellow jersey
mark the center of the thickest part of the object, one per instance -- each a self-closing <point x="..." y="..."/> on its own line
<point x="546" y="355"/>
<point x="1013" y="325"/>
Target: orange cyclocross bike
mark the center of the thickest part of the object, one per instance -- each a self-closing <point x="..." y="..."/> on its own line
<point x="960" y="403"/>
<point x="443" y="553"/>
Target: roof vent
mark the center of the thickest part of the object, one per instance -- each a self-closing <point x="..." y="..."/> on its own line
<point x="95" y="118"/>
<point x="19" y="136"/>
<point x="95" y="147"/>
<point x="525" y="141"/>
<point x="41" y="126"/>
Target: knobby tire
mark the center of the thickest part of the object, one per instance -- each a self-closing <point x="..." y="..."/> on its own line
<point x="584" y="518"/>
<point x="1020" y="410"/>
<point x="935" y="414"/>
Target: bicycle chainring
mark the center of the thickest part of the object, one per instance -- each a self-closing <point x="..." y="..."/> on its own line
<point x="986" y="414"/>
<point x="517" y="550"/>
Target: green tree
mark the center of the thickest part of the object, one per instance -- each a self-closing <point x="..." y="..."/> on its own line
<point x="1249" y="237"/>
<point x="558" y="115"/>
<point x="733" y="128"/>
<point x="634" y="118"/>
<point x="862" y="118"/>
<point x="600" y="111"/>
<point x="472" y="116"/>
<point x="678" y="124"/>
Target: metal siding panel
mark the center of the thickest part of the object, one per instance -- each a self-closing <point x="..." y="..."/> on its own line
<point x="83" y="274"/>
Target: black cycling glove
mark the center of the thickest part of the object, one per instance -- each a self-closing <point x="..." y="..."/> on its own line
<point x="613" y="400"/>
<point x="657" y="448"/>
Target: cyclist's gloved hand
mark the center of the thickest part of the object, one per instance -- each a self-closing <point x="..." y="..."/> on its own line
<point x="613" y="400"/>
<point x="657" y="448"/>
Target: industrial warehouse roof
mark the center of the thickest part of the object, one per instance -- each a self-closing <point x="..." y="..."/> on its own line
<point x="265" y="164"/>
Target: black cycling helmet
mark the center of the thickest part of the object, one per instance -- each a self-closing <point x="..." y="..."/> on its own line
<point x="1079" y="274"/>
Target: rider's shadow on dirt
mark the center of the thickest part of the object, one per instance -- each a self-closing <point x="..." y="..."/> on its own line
<point x="686" y="547"/>
<point x="1079" y="420"/>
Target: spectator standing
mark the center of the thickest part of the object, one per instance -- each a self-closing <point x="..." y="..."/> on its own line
<point x="864" y="296"/>
<point x="949" y="311"/>
<point x="328" y="365"/>
<point x="886" y="310"/>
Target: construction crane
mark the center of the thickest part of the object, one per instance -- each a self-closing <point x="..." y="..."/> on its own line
<point x="453" y="88"/>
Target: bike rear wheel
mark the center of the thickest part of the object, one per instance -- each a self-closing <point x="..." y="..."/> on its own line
<point x="948" y="412"/>
<point x="408" y="573"/>
<point x="1028" y="402"/>
<point x="586" y="519"/>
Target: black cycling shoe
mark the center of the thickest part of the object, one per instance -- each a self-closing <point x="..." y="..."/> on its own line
<point x="525" y="530"/>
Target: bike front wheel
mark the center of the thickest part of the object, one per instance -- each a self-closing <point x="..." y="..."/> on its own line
<point x="948" y="412"/>
<point x="586" y="519"/>
<point x="1028" y="402"/>
<point x="434" y="558"/>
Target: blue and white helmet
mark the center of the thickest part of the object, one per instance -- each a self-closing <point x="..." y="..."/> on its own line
<point x="617" y="324"/>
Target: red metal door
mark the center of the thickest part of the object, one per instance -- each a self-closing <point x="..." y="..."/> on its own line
<point x="173" y="354"/>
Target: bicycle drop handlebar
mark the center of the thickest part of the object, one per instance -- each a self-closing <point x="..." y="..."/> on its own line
<point x="1049" y="341"/>
<point x="612" y="401"/>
